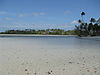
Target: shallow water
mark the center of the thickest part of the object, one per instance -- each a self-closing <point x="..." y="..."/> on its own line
<point x="63" y="55"/>
<point x="52" y="41"/>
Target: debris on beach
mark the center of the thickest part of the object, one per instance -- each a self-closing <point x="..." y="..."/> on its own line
<point x="27" y="73"/>
<point x="78" y="63"/>
<point x="63" y="69"/>
<point x="70" y="62"/>
<point x="26" y="69"/>
<point x="49" y="72"/>
<point x="95" y="71"/>
<point x="46" y="62"/>
<point x="88" y="70"/>
<point x="83" y="58"/>
<point x="35" y="73"/>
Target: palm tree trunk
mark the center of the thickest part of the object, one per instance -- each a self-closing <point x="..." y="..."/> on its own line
<point x="82" y="19"/>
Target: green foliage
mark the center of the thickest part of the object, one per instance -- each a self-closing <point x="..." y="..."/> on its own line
<point x="41" y="32"/>
<point x="88" y="29"/>
<point x="92" y="20"/>
<point x="82" y="13"/>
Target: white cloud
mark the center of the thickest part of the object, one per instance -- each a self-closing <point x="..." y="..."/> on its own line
<point x="32" y="14"/>
<point x="21" y="15"/>
<point x="2" y="12"/>
<point x="16" y="25"/>
<point x="67" y="12"/>
<point x="8" y="18"/>
<point x="38" y="14"/>
<point x="74" y="22"/>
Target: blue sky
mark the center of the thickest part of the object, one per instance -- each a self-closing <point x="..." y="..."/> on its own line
<point x="41" y="14"/>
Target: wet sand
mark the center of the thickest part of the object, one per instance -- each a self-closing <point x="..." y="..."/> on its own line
<point x="21" y="56"/>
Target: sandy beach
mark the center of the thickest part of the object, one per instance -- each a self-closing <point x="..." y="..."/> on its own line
<point x="48" y="56"/>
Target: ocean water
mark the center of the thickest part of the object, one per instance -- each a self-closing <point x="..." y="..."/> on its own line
<point x="52" y="41"/>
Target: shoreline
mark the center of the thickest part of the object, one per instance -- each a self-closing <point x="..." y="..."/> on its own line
<point x="31" y="35"/>
<point x="34" y="35"/>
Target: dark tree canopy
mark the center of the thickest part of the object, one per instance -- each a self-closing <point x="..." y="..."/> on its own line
<point x="82" y="13"/>
<point x="88" y="29"/>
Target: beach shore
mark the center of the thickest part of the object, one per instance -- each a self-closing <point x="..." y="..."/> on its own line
<point x="27" y="57"/>
<point x="31" y="35"/>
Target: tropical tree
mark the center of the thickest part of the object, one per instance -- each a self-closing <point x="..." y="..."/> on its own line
<point x="92" y="20"/>
<point x="82" y="14"/>
<point x="85" y="29"/>
<point x="79" y="21"/>
<point x="98" y="21"/>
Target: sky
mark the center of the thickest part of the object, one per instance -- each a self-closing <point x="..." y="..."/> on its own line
<point x="44" y="14"/>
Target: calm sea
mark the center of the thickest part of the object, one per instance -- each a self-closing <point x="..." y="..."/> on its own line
<point x="67" y="42"/>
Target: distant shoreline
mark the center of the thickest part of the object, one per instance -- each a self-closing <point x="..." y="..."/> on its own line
<point x="31" y="35"/>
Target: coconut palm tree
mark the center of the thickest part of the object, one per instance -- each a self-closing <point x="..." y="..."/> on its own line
<point x="79" y="21"/>
<point x="82" y="13"/>
<point x="92" y="20"/>
<point x="98" y="21"/>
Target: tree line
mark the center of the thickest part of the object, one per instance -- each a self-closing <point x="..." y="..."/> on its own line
<point x="41" y="32"/>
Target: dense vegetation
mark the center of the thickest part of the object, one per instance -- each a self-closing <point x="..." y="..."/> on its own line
<point x="88" y="29"/>
<point x="41" y="32"/>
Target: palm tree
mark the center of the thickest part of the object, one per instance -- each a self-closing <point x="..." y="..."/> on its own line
<point x="96" y="28"/>
<point x="79" y="21"/>
<point x="92" y="20"/>
<point x="77" y="30"/>
<point x="98" y="21"/>
<point x="82" y="13"/>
